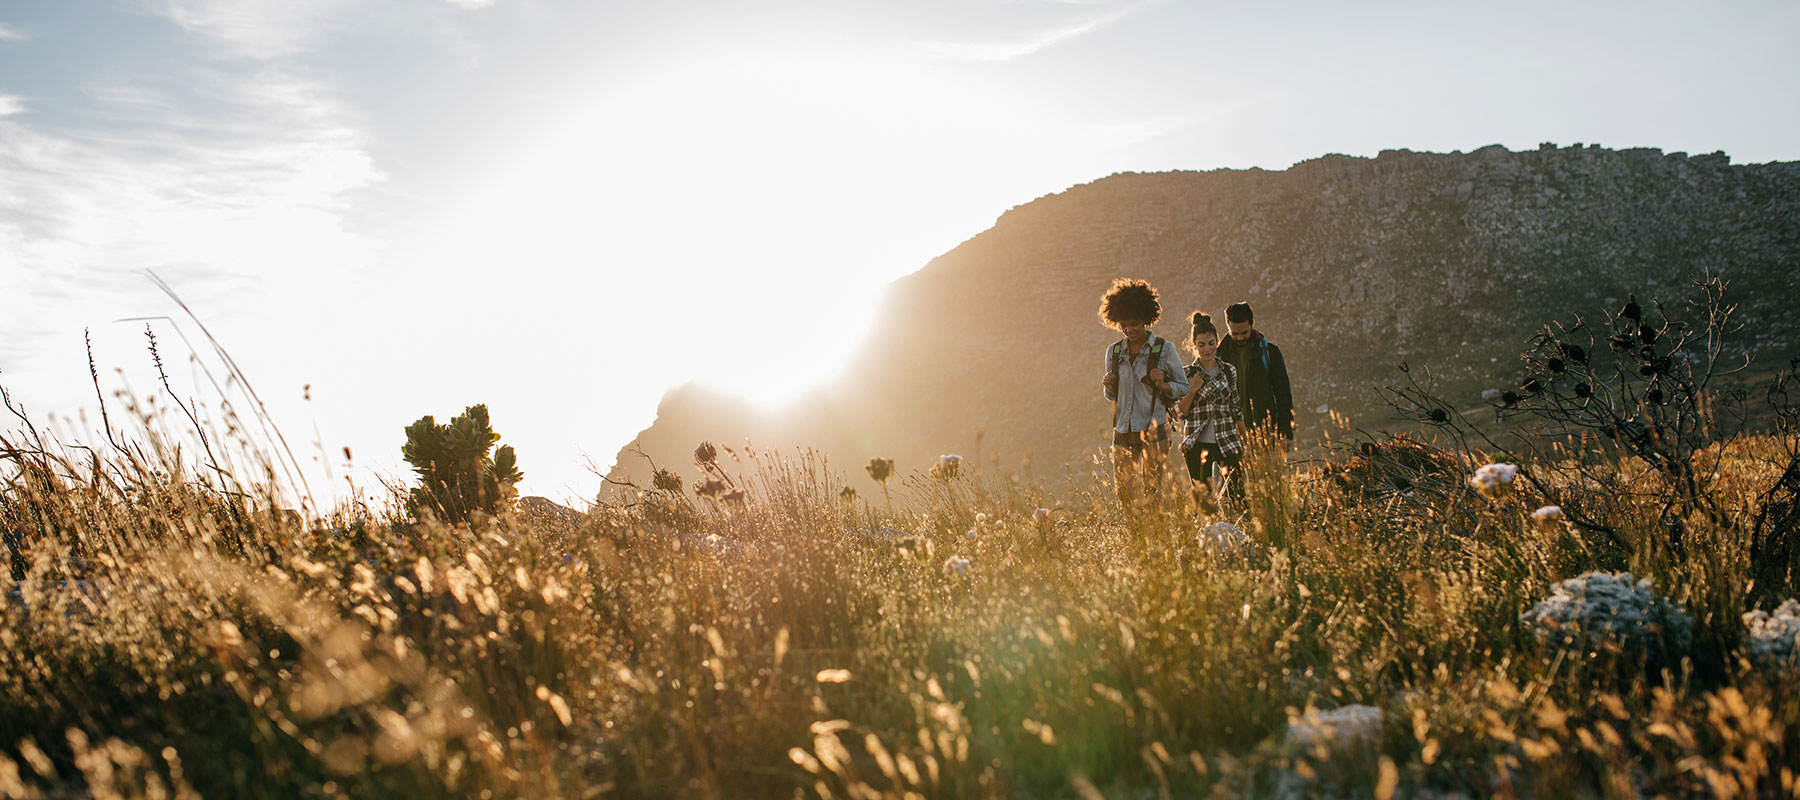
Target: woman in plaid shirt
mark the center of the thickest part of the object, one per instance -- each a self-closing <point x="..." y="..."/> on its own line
<point x="1213" y="415"/>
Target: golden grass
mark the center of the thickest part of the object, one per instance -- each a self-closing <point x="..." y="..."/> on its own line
<point x="171" y="638"/>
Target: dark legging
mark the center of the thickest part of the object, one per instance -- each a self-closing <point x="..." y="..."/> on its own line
<point x="1203" y="463"/>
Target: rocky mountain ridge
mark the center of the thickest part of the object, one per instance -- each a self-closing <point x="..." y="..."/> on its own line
<point x="1353" y="264"/>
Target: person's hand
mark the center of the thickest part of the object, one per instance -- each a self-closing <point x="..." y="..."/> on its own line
<point x="1111" y="381"/>
<point x="1155" y="376"/>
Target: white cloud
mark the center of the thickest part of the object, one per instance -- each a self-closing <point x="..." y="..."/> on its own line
<point x="10" y="35"/>
<point x="470" y="4"/>
<point x="258" y="28"/>
<point x="11" y="104"/>
<point x="1007" y="50"/>
<point x="252" y="206"/>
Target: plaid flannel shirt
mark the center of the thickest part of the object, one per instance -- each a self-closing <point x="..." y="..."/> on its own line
<point x="1216" y="402"/>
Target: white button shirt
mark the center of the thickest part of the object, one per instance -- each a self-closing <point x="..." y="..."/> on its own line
<point x="1140" y="408"/>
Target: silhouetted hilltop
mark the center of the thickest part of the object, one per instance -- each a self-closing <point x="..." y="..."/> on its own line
<point x="1353" y="265"/>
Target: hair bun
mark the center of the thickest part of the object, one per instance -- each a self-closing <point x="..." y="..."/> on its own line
<point x="1201" y="318"/>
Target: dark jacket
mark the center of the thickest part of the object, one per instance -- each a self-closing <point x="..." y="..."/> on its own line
<point x="1262" y="382"/>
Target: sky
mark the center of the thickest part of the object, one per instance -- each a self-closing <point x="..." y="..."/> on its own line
<point x="564" y="208"/>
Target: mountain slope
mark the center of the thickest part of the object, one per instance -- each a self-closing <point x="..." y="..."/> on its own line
<point x="1353" y="265"/>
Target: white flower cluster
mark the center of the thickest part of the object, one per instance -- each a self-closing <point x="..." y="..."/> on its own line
<point x="957" y="565"/>
<point x="1772" y="640"/>
<point x="1603" y="609"/>
<point x="1494" y="480"/>
<point x="1549" y="518"/>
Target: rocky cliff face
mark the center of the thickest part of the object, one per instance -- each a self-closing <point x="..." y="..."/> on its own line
<point x="1353" y="265"/>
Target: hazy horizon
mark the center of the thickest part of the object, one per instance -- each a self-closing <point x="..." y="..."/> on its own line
<point x="562" y="210"/>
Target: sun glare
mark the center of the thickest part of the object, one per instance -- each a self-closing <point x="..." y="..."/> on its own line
<point x="723" y="206"/>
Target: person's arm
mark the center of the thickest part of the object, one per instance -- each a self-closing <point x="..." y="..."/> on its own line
<point x="1236" y="399"/>
<point x="1109" y="380"/>
<point x="1188" y="397"/>
<point x="1284" y="395"/>
<point x="1173" y="375"/>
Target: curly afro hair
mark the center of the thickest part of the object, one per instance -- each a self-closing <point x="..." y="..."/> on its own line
<point x="1129" y="298"/>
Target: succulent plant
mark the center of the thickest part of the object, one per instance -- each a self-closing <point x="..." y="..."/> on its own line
<point x="1611" y="612"/>
<point x="1772" y="640"/>
<point x="458" y="476"/>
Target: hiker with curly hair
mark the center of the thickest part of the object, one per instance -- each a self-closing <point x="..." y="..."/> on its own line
<point x="1143" y="379"/>
<point x="1214" y="418"/>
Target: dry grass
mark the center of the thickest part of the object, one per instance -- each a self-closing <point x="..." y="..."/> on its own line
<point x="171" y="637"/>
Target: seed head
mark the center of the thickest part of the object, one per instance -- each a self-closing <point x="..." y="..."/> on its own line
<point x="665" y="481"/>
<point x="1647" y="334"/>
<point x="1583" y="390"/>
<point x="1555" y="365"/>
<point x="706" y="455"/>
<point x="847" y="496"/>
<point x="881" y="469"/>
<point x="1439" y="416"/>
<point x="1509" y="398"/>
<point x="1632" y="311"/>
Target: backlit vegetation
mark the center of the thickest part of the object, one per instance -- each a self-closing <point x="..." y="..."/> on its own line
<point x="758" y="631"/>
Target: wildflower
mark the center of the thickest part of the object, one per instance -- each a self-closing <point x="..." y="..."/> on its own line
<point x="881" y="469"/>
<point x="946" y="468"/>
<point x="974" y="534"/>
<point x="1555" y="365"/>
<point x="1583" y="390"/>
<point x="706" y="455"/>
<point x="981" y="519"/>
<point x="957" y="565"/>
<point x="665" y="481"/>
<point x="847" y="496"/>
<point x="1647" y="334"/>
<point x="1040" y="515"/>
<point x="1610" y="611"/>
<point x="1632" y="311"/>
<point x="1772" y="640"/>
<point x="711" y="487"/>
<point x="1494" y="480"/>
<point x="736" y="497"/>
<point x="1574" y="352"/>
<point x="1550" y="518"/>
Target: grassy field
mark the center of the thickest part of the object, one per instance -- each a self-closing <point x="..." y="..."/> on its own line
<point x="969" y="636"/>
